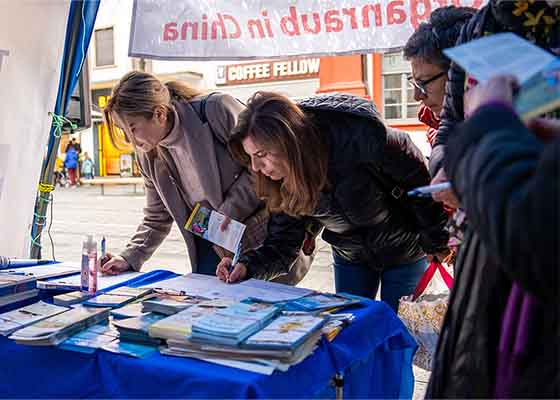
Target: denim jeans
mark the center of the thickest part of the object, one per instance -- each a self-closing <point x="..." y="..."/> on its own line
<point x="396" y="280"/>
<point x="207" y="258"/>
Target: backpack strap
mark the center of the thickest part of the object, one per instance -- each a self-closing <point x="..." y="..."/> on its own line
<point x="199" y="107"/>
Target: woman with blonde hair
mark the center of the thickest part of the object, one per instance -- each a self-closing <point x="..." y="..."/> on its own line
<point x="330" y="159"/>
<point x="180" y="138"/>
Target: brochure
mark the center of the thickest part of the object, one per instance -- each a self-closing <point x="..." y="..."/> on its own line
<point x="17" y="319"/>
<point x="206" y="223"/>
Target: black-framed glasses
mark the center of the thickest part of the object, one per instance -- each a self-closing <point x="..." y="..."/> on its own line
<point x="422" y="85"/>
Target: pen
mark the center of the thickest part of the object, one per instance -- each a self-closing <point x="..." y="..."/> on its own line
<point x="103" y="249"/>
<point x="235" y="260"/>
<point x="426" y="191"/>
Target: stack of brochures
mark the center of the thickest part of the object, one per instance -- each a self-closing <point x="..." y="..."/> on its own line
<point x="70" y="298"/>
<point x="136" y="329"/>
<point x="129" y="311"/>
<point x="57" y="328"/>
<point x="286" y="341"/>
<point x="106" y="337"/>
<point x="16" y="319"/>
<point x="15" y="288"/>
<point x="118" y="297"/>
<point x="324" y="301"/>
<point x="232" y="324"/>
<point x="168" y="304"/>
<point x="179" y="326"/>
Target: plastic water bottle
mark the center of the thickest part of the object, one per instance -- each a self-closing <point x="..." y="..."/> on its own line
<point x="89" y="265"/>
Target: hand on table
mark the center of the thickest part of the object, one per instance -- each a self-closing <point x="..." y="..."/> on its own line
<point x="114" y="265"/>
<point x="238" y="273"/>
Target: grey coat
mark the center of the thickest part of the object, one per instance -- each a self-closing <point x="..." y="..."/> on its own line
<point x="166" y="197"/>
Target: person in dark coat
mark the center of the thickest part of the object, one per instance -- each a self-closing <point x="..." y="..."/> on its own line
<point x="537" y="21"/>
<point x="424" y="50"/>
<point x="501" y="334"/>
<point x="330" y="159"/>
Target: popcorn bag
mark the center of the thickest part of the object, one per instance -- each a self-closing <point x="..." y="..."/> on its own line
<point x="423" y="311"/>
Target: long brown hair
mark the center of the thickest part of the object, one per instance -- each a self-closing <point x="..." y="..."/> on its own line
<point x="278" y="124"/>
<point x="138" y="94"/>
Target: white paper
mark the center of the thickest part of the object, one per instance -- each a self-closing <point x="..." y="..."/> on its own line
<point x="500" y="54"/>
<point x="45" y="271"/>
<point x="74" y="282"/>
<point x="212" y="288"/>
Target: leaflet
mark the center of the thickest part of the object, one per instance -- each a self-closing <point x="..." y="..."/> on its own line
<point x="17" y="319"/>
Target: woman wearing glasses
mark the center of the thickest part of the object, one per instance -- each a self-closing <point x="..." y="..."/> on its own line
<point x="424" y="50"/>
<point x="331" y="159"/>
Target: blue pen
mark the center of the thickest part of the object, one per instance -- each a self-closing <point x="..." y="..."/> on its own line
<point x="426" y="191"/>
<point x="103" y="249"/>
<point x="235" y="260"/>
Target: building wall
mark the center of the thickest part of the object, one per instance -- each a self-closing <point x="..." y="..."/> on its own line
<point x="366" y="76"/>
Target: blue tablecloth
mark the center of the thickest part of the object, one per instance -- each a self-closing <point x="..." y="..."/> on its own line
<point x="374" y="354"/>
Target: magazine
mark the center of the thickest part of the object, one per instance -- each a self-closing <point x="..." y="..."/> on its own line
<point x="537" y="71"/>
<point x="206" y="223"/>
<point x="22" y="317"/>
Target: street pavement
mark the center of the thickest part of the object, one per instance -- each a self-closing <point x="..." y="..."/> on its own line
<point x="81" y="211"/>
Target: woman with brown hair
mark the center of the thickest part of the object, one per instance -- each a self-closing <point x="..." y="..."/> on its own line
<point x="330" y="159"/>
<point x="180" y="140"/>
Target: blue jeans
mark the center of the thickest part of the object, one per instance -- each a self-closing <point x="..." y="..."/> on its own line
<point x="396" y="281"/>
<point x="207" y="259"/>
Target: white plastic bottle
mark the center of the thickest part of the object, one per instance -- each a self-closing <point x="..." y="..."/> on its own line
<point x="89" y="265"/>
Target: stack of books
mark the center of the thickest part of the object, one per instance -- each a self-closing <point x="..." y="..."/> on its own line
<point x="136" y="329"/>
<point x="13" y="320"/>
<point x="233" y="324"/>
<point x="56" y="329"/>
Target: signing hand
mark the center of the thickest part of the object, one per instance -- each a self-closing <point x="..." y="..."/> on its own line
<point x="224" y="274"/>
<point x="446" y="196"/>
<point x="115" y="265"/>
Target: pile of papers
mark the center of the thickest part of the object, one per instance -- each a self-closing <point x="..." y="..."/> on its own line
<point x="118" y="297"/>
<point x="136" y="329"/>
<point x="168" y="304"/>
<point x="13" y="320"/>
<point x="14" y="288"/>
<point x="106" y="337"/>
<point x="233" y="324"/>
<point x="56" y="329"/>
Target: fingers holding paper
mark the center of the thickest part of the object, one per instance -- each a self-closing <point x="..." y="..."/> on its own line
<point x="227" y="274"/>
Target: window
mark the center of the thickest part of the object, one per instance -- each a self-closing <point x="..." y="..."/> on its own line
<point x="104" y="47"/>
<point x="398" y="96"/>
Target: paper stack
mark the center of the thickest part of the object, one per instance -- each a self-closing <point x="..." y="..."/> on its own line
<point x="179" y="326"/>
<point x="22" y="317"/>
<point x="168" y="304"/>
<point x="16" y="287"/>
<point x="118" y="297"/>
<point x="233" y="324"/>
<point x="136" y="329"/>
<point x="56" y="329"/>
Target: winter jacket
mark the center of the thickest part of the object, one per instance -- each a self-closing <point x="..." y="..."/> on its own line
<point x="507" y="181"/>
<point x="481" y="24"/>
<point x="71" y="159"/>
<point x="361" y="220"/>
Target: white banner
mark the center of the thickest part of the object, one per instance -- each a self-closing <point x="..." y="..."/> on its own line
<point x="31" y="46"/>
<point x="235" y="29"/>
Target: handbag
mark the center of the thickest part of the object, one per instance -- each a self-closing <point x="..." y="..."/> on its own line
<point x="423" y="312"/>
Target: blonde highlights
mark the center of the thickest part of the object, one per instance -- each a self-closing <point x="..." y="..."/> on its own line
<point x="280" y="126"/>
<point x="139" y="94"/>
